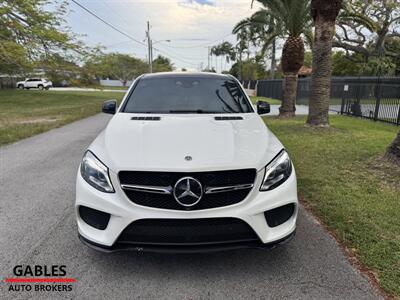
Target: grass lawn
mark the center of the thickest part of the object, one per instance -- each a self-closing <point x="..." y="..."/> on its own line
<point x="123" y="88"/>
<point x="343" y="180"/>
<point x="104" y="87"/>
<point x="271" y="101"/>
<point x="26" y="113"/>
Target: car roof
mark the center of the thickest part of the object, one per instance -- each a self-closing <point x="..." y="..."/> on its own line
<point x="187" y="74"/>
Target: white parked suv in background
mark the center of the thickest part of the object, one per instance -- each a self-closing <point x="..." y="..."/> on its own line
<point x="186" y="164"/>
<point x="38" y="83"/>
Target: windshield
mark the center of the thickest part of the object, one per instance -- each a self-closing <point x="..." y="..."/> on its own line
<point x="187" y="95"/>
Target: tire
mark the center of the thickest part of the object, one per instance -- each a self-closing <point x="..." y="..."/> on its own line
<point x="21" y="86"/>
<point x="40" y="87"/>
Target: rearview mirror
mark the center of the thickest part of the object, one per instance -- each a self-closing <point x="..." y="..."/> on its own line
<point x="263" y="107"/>
<point x="110" y="107"/>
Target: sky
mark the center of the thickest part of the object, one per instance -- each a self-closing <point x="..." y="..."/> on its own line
<point x="190" y="25"/>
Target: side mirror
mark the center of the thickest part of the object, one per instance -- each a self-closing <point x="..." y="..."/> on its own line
<point x="109" y="107"/>
<point x="263" y="107"/>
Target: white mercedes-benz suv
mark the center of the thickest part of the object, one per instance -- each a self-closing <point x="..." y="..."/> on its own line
<point x="186" y="165"/>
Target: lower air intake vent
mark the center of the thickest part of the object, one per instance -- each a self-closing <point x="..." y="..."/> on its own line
<point x="187" y="231"/>
<point x="94" y="217"/>
<point x="279" y="215"/>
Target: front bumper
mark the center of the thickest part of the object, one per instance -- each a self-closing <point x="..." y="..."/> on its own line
<point x="117" y="247"/>
<point x="123" y="212"/>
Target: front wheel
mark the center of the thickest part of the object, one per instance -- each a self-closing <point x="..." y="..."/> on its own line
<point x="21" y="86"/>
<point x="40" y="87"/>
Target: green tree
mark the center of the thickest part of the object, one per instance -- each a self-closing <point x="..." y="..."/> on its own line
<point x="122" y="67"/>
<point x="345" y="66"/>
<point x="29" y="32"/>
<point x="243" y="36"/>
<point x="59" y="68"/>
<point x="324" y="13"/>
<point x="252" y="69"/>
<point x="162" y="64"/>
<point x="293" y="21"/>
<point x="368" y="28"/>
<point x="354" y="65"/>
<point x="225" y="49"/>
<point x="308" y="59"/>
<point x="263" y="32"/>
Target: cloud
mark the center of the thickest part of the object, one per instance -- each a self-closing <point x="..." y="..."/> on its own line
<point x="211" y="21"/>
<point x="197" y="4"/>
<point x="200" y="2"/>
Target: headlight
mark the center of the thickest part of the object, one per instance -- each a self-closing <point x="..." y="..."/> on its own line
<point x="96" y="173"/>
<point x="277" y="171"/>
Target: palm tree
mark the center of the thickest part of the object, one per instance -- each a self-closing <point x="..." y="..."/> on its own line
<point x="224" y="49"/>
<point x="242" y="46"/>
<point x="263" y="32"/>
<point x="293" y="20"/>
<point x="324" y="13"/>
<point x="393" y="152"/>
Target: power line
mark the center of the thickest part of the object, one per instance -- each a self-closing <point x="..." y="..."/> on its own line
<point x="116" y="13"/>
<point x="108" y="24"/>
<point x="202" y="45"/>
<point x="125" y="34"/>
<point x="174" y="57"/>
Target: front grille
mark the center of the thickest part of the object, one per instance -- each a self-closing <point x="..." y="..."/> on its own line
<point x="187" y="231"/>
<point x="207" y="179"/>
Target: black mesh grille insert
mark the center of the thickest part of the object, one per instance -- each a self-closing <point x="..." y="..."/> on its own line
<point x="187" y="231"/>
<point x="279" y="215"/>
<point x="215" y="179"/>
<point x="94" y="217"/>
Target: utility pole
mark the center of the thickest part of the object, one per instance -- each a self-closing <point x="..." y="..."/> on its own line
<point x="149" y="48"/>
<point x="208" y="55"/>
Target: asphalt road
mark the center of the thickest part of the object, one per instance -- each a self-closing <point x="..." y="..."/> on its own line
<point x="37" y="178"/>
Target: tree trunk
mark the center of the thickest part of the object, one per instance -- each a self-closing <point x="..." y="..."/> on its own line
<point x="273" y="59"/>
<point x="241" y="65"/>
<point x="292" y="61"/>
<point x="393" y="152"/>
<point x="288" y="107"/>
<point x="321" y="72"/>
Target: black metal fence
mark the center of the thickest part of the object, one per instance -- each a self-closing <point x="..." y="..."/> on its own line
<point x="368" y="97"/>
<point x="8" y="82"/>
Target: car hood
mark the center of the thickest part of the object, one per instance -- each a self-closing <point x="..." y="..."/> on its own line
<point x="166" y="144"/>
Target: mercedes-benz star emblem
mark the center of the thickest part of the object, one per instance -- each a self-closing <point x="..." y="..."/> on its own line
<point x="188" y="191"/>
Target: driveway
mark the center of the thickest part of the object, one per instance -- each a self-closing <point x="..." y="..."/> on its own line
<point x="300" y="110"/>
<point x="37" y="227"/>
